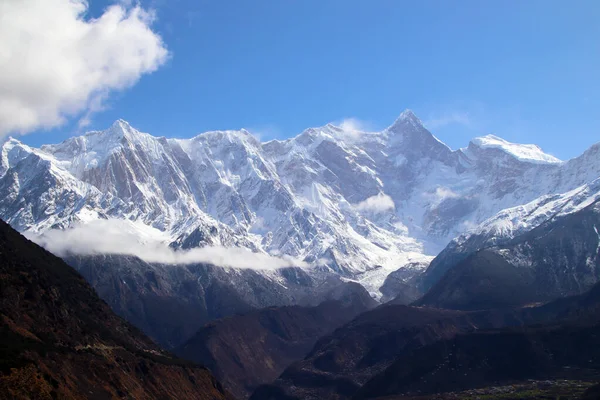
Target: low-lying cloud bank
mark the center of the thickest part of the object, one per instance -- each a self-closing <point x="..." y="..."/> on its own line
<point x="135" y="239"/>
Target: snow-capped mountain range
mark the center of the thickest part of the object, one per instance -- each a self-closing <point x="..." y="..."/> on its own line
<point x="362" y="203"/>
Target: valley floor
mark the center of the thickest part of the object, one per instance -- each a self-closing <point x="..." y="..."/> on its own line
<point x="532" y="390"/>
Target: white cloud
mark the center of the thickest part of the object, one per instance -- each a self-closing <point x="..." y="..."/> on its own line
<point x="56" y="64"/>
<point x="443" y="193"/>
<point x="437" y="197"/>
<point x="353" y="128"/>
<point x="403" y="229"/>
<point x="353" y="125"/>
<point x="452" y="118"/>
<point x="376" y="204"/>
<point x="135" y="239"/>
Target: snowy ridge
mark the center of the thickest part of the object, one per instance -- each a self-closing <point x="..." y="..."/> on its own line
<point x="523" y="152"/>
<point x="362" y="203"/>
<point x="515" y="221"/>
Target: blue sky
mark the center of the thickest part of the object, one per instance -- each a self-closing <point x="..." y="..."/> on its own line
<point x="528" y="71"/>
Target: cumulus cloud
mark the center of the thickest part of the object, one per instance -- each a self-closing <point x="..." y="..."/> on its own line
<point x="135" y="239"/>
<point x="56" y="64"/>
<point x="376" y="204"/>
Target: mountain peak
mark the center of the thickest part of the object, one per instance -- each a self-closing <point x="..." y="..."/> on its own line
<point x="120" y="127"/>
<point x="409" y="131"/>
<point x="408" y="114"/>
<point x="120" y="122"/>
<point x="119" y="130"/>
<point x="523" y="152"/>
<point x="406" y="119"/>
<point x="11" y="141"/>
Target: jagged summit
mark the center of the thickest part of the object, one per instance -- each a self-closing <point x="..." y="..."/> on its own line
<point x="408" y="114"/>
<point x="9" y="139"/>
<point x="121" y="123"/>
<point x="406" y="118"/>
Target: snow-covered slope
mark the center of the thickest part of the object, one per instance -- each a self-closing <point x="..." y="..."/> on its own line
<point x="524" y="152"/>
<point x="546" y="249"/>
<point x="362" y="203"/>
<point x="514" y="223"/>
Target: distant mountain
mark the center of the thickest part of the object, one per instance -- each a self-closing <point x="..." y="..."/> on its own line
<point x="537" y="252"/>
<point x="400" y="286"/>
<point x="362" y="203"/>
<point x="170" y="303"/>
<point x="248" y="350"/>
<point x="59" y="340"/>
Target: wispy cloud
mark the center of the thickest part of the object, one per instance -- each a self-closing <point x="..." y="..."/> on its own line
<point x="127" y="238"/>
<point x="440" y="194"/>
<point x="445" y="193"/>
<point x="354" y="125"/>
<point x="353" y="128"/>
<point x="266" y="132"/>
<point x="451" y="118"/>
<point x="191" y="16"/>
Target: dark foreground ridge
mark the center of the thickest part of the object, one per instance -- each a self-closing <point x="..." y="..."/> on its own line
<point x="59" y="340"/>
<point x="247" y="350"/>
<point x="408" y="352"/>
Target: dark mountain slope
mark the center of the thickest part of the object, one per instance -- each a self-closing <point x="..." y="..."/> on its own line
<point x="484" y="280"/>
<point x="400" y="287"/>
<point x="170" y="303"/>
<point x="252" y="349"/>
<point x="341" y="363"/>
<point x="59" y="340"/>
<point x="492" y="358"/>
<point x="556" y="259"/>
